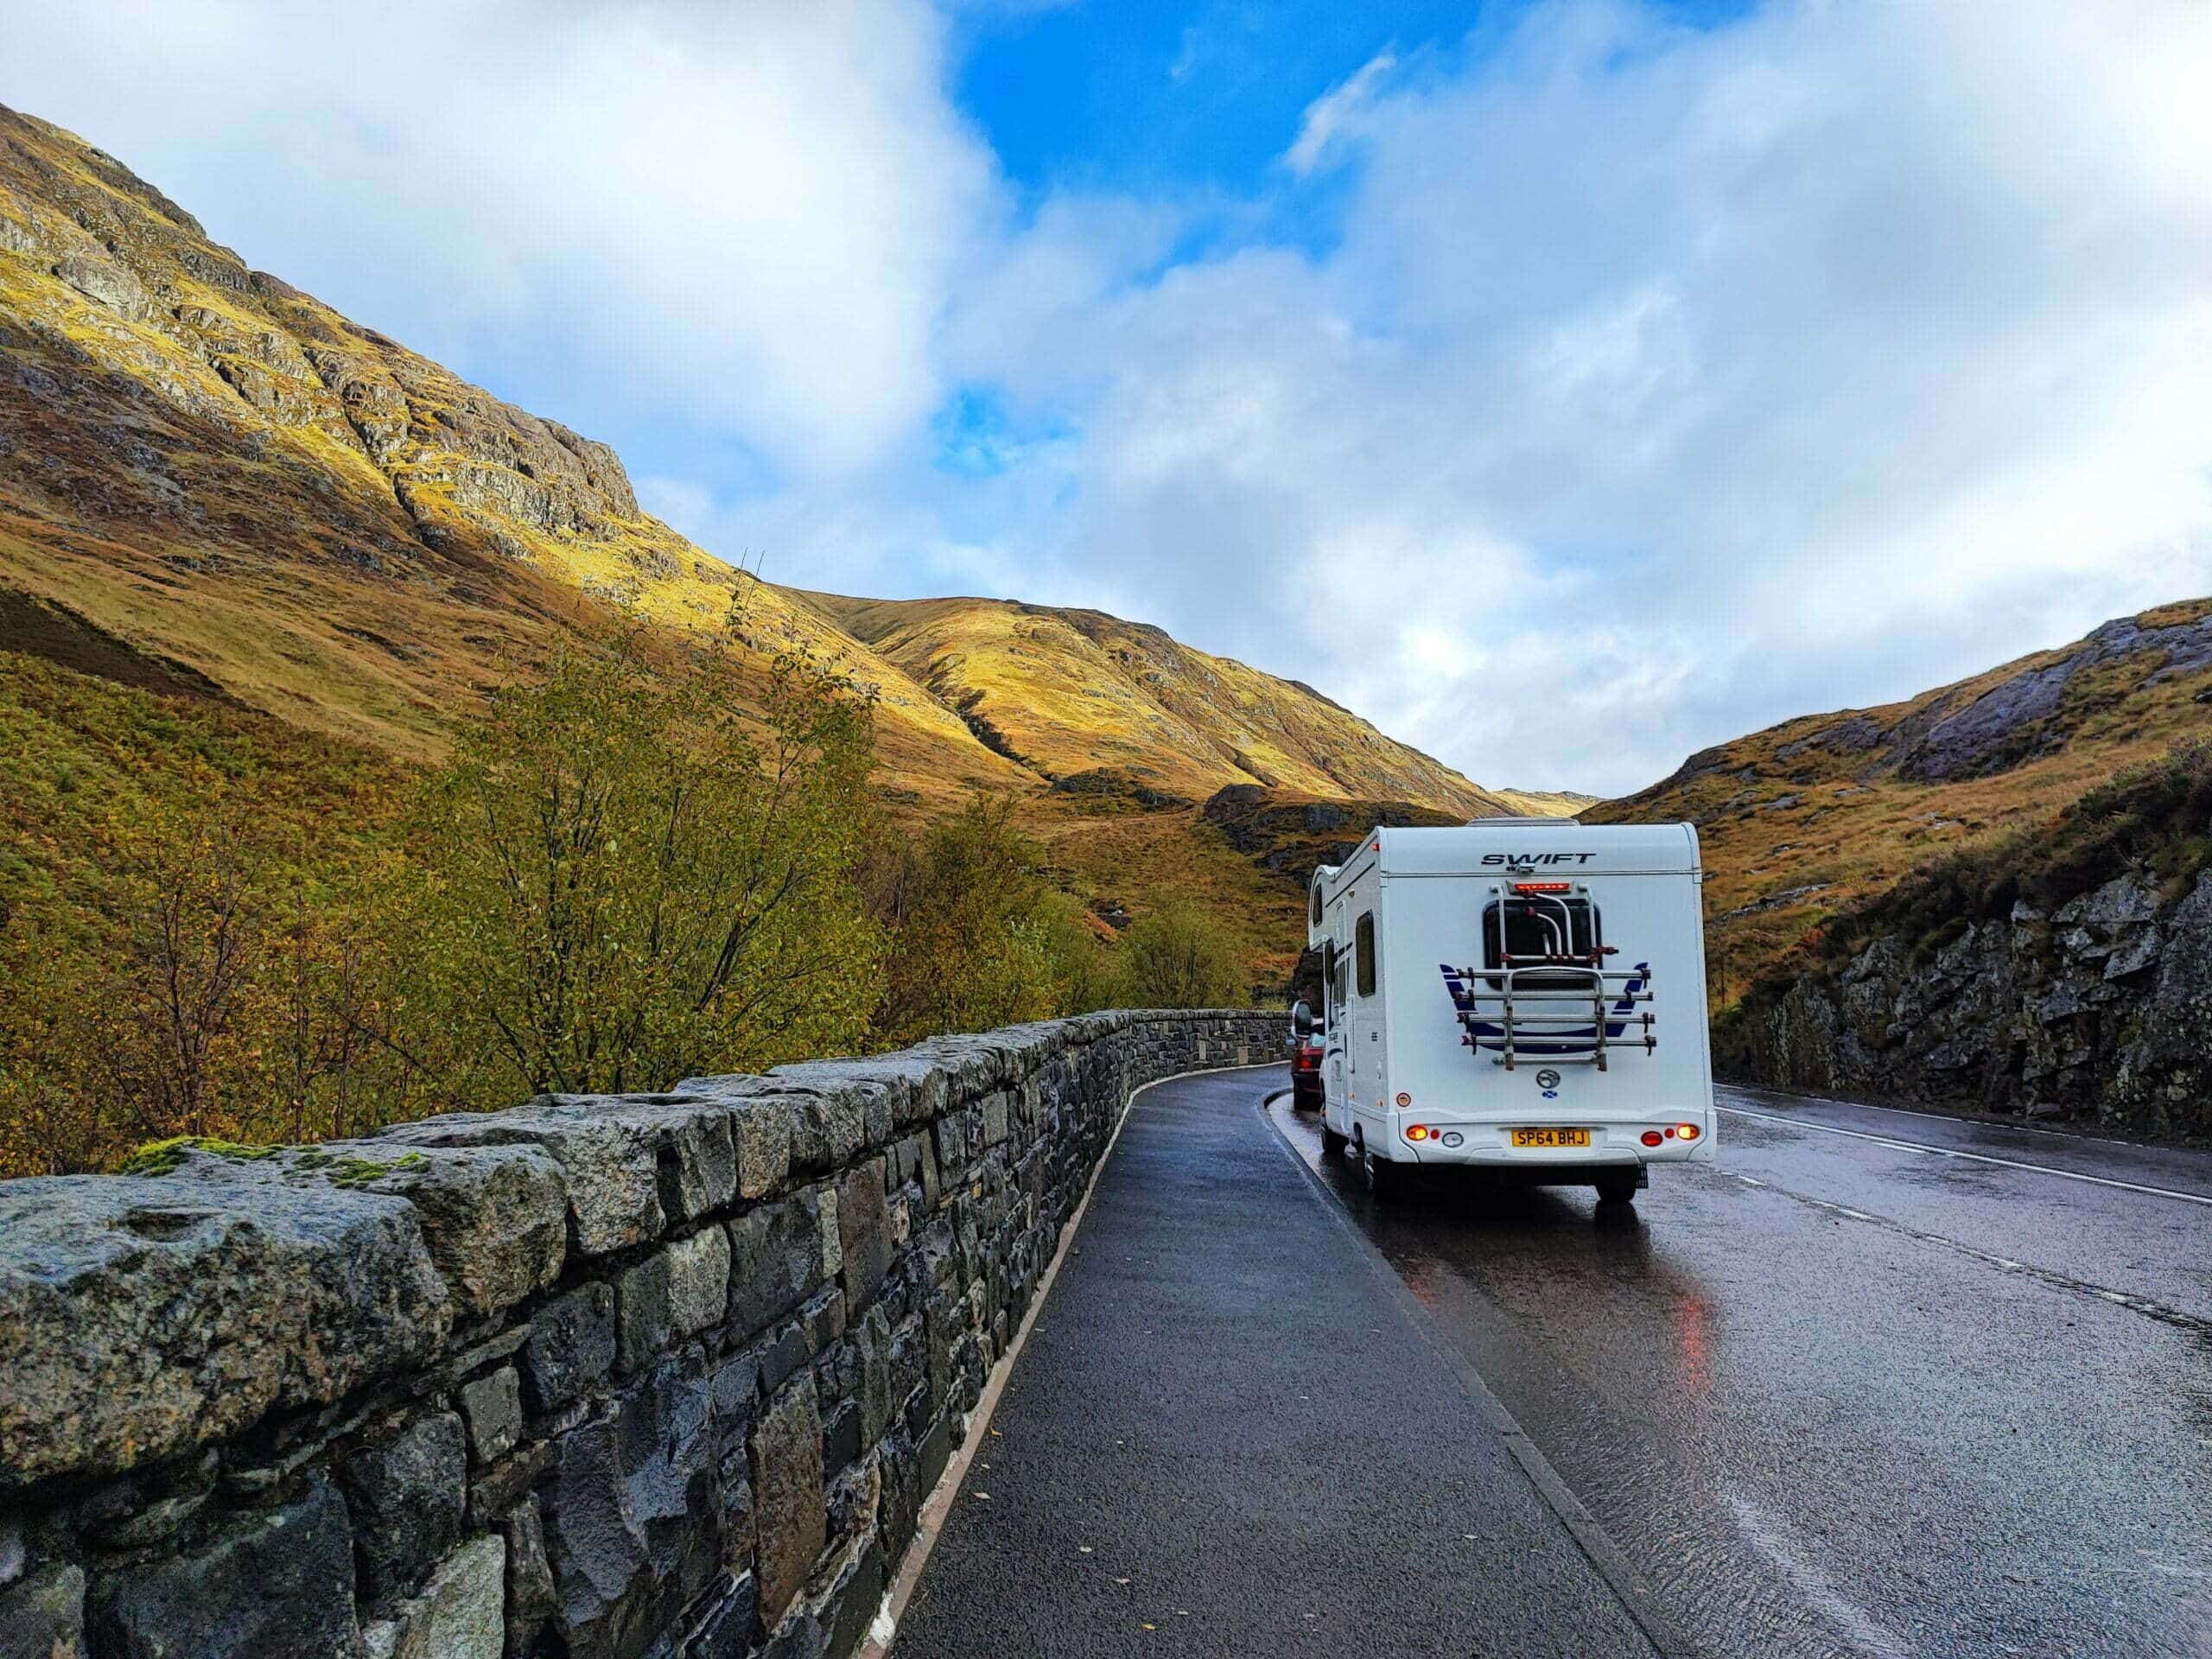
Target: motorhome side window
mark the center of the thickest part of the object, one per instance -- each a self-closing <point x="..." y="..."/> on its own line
<point x="1317" y="904"/>
<point x="1364" y="951"/>
<point x="1524" y="932"/>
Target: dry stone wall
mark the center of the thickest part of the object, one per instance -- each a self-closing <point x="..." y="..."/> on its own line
<point x="605" y="1378"/>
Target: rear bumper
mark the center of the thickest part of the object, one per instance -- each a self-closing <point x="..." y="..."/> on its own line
<point x="1612" y="1147"/>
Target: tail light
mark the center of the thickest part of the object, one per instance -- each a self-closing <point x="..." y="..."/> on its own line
<point x="1652" y="1138"/>
<point x="1687" y="1131"/>
<point x="1417" y="1132"/>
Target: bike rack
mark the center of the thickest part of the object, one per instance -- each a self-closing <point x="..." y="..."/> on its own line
<point x="1562" y="1008"/>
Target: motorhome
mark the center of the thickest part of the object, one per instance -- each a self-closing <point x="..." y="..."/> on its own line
<point x="1521" y="997"/>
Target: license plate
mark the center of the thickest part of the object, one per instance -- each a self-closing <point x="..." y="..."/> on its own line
<point x="1551" y="1137"/>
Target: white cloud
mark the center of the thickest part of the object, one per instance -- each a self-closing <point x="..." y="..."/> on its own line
<point x="749" y="216"/>
<point x="1668" y="383"/>
<point x="1327" y="115"/>
<point x="1662" y="382"/>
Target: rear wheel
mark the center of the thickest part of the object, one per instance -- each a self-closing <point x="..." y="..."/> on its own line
<point x="1619" y="1189"/>
<point x="1382" y="1176"/>
<point x="1332" y="1144"/>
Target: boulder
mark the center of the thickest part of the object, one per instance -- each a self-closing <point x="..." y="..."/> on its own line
<point x="613" y="1151"/>
<point x="571" y="1346"/>
<point x="531" y="1597"/>
<point x="788" y="1519"/>
<point x="641" y="1312"/>
<point x="631" y="1517"/>
<point x="495" y="1218"/>
<point x="42" y="1615"/>
<point x="698" y="1288"/>
<point x="409" y="1495"/>
<point x="864" y="1233"/>
<point x="780" y="1253"/>
<point x="492" y="1406"/>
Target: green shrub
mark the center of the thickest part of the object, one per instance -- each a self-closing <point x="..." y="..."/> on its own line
<point x="622" y="878"/>
<point x="1176" y="958"/>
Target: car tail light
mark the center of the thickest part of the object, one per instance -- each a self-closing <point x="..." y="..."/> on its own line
<point x="1417" y="1132"/>
<point x="1652" y="1138"/>
<point x="1543" y="886"/>
<point x="1687" y="1131"/>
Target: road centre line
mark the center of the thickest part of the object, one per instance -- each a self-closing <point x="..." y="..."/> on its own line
<point x="1973" y="1157"/>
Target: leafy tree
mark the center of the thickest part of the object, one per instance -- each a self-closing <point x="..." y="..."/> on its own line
<point x="1176" y="958"/>
<point x="626" y="878"/>
<point x="978" y="937"/>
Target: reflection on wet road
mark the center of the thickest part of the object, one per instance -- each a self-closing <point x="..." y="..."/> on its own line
<point x="1875" y="1382"/>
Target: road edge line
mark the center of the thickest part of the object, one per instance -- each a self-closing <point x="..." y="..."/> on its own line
<point x="1633" y="1591"/>
<point x="883" y="1630"/>
<point x="1894" y="1144"/>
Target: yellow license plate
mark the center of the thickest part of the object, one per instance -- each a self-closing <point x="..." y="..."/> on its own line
<point x="1551" y="1137"/>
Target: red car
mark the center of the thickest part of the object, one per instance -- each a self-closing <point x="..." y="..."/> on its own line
<point x="1305" y="1051"/>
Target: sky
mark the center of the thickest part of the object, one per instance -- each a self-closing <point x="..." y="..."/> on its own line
<point x="1563" y="384"/>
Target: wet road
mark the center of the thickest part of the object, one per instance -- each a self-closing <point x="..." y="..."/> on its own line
<point x="1877" y="1382"/>
<point x="1230" y="1434"/>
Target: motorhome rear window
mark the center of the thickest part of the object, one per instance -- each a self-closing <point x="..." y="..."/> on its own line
<point x="1529" y="930"/>
<point x="1317" y="904"/>
<point x="1365" y="952"/>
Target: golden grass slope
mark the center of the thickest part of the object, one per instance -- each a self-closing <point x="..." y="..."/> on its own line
<point x="1805" y="817"/>
<point x="212" y="484"/>
<point x="219" y="470"/>
<point x="1068" y="690"/>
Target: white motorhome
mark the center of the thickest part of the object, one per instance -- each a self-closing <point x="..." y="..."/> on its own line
<point x="1524" y="997"/>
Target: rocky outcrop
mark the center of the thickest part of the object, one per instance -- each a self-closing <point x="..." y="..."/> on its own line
<point x="2099" y="1010"/>
<point x="1292" y="835"/>
<point x="665" y="1375"/>
<point x="2013" y="720"/>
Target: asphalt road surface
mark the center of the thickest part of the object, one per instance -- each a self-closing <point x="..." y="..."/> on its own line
<point x="1231" y="1433"/>
<point x="1878" y="1383"/>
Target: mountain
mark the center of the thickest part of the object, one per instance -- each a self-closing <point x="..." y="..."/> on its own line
<point x="1064" y="691"/>
<point x="214" y="470"/>
<point x="213" y="487"/>
<point x="1936" y="877"/>
<point x="1546" y="802"/>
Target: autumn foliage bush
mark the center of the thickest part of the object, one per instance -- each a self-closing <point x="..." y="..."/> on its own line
<point x="646" y="859"/>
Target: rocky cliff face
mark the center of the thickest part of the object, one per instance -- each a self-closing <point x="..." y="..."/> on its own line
<point x="2098" y="1010"/>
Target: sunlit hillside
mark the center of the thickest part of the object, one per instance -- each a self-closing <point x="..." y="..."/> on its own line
<point x="219" y="470"/>
<point x="213" y="486"/>
<point x="1066" y="690"/>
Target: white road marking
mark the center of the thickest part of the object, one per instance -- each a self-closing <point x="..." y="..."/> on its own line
<point x="1764" y="1531"/>
<point x="1972" y="1157"/>
<point x="1952" y="1117"/>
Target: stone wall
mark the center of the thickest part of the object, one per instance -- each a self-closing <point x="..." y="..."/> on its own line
<point x="598" y="1378"/>
<point x="2099" y="1011"/>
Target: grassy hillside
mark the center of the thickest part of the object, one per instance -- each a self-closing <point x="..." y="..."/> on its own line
<point x="1806" y="819"/>
<point x="216" y="469"/>
<point x="1066" y="690"/>
<point x="215" y="489"/>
